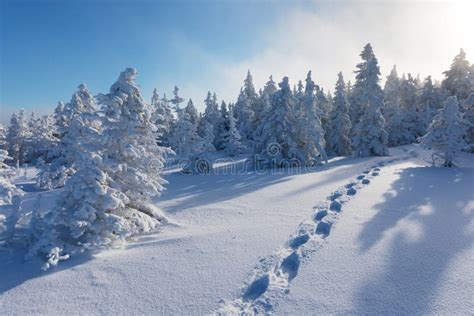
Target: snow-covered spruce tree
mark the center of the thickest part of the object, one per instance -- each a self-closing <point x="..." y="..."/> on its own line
<point x="208" y="137"/>
<point x="108" y="199"/>
<point x="409" y="105"/>
<point x="366" y="89"/>
<point x="185" y="139"/>
<point x="446" y="132"/>
<point x="163" y="118"/>
<point x="233" y="146"/>
<point x="280" y="138"/>
<point x="309" y="127"/>
<point x="17" y="136"/>
<point x="132" y="157"/>
<point x="340" y="123"/>
<point x="370" y="137"/>
<point x="7" y="189"/>
<point x="395" y="117"/>
<point x="211" y="116"/>
<point x="55" y="174"/>
<point x="429" y="101"/>
<point x="245" y="107"/>
<point x="457" y="79"/>
<point x="469" y="118"/>
<point x="192" y="112"/>
<point x="325" y="107"/>
<point x="42" y="141"/>
<point x="3" y="137"/>
<point x="222" y="127"/>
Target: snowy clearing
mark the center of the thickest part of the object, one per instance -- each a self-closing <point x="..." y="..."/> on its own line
<point x="228" y="232"/>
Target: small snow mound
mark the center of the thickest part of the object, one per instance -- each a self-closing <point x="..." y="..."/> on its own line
<point x="257" y="288"/>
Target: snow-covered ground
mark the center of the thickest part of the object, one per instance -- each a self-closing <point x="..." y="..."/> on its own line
<point x="402" y="242"/>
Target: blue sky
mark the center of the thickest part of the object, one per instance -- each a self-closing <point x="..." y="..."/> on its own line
<point x="49" y="47"/>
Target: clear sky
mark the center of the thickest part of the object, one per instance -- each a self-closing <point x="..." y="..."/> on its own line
<point x="48" y="47"/>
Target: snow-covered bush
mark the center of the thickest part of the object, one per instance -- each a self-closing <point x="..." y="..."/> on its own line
<point x="446" y="132"/>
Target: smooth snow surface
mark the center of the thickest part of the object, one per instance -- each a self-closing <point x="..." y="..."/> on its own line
<point x="402" y="243"/>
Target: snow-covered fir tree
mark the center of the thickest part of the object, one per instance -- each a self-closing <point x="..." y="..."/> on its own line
<point x="366" y="89"/>
<point x="231" y="138"/>
<point x="310" y="133"/>
<point x="108" y="199"/>
<point x="55" y="174"/>
<point x="393" y="113"/>
<point x="212" y="117"/>
<point x="280" y="138"/>
<point x="370" y="135"/>
<point x="340" y="122"/>
<point x="245" y="107"/>
<point x="457" y="79"/>
<point x="429" y="102"/>
<point x="17" y="136"/>
<point x="409" y="105"/>
<point x="325" y="108"/>
<point x="163" y="118"/>
<point x="469" y="118"/>
<point x="446" y="132"/>
<point x="192" y="112"/>
<point x="3" y="137"/>
<point x="222" y="127"/>
<point x="185" y="139"/>
<point x="7" y="189"/>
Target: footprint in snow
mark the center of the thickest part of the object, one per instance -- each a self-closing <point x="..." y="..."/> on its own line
<point x="351" y="191"/>
<point x="335" y="206"/>
<point x="298" y="241"/>
<point x="319" y="215"/>
<point x="323" y="229"/>
<point x="375" y="174"/>
<point x="365" y="181"/>
<point x="257" y="288"/>
<point x="290" y="265"/>
<point x="362" y="176"/>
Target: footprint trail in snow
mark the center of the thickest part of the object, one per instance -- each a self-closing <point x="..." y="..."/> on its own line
<point x="272" y="276"/>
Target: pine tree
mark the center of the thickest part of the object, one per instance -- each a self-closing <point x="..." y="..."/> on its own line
<point x="192" y="111"/>
<point x="429" y="102"/>
<point x="222" y="127"/>
<point x="409" y="105"/>
<point x="17" y="136"/>
<point x="55" y="174"/>
<point x="366" y="89"/>
<point x="185" y="140"/>
<point x="280" y="139"/>
<point x="457" y="79"/>
<point x="163" y="118"/>
<point x="212" y="117"/>
<point x="397" y="126"/>
<point x="370" y="137"/>
<point x="3" y="137"/>
<point x="446" y="132"/>
<point x="469" y="118"/>
<point x="311" y="135"/>
<point x="340" y="126"/>
<point x="233" y="146"/>
<point x="7" y="189"/>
